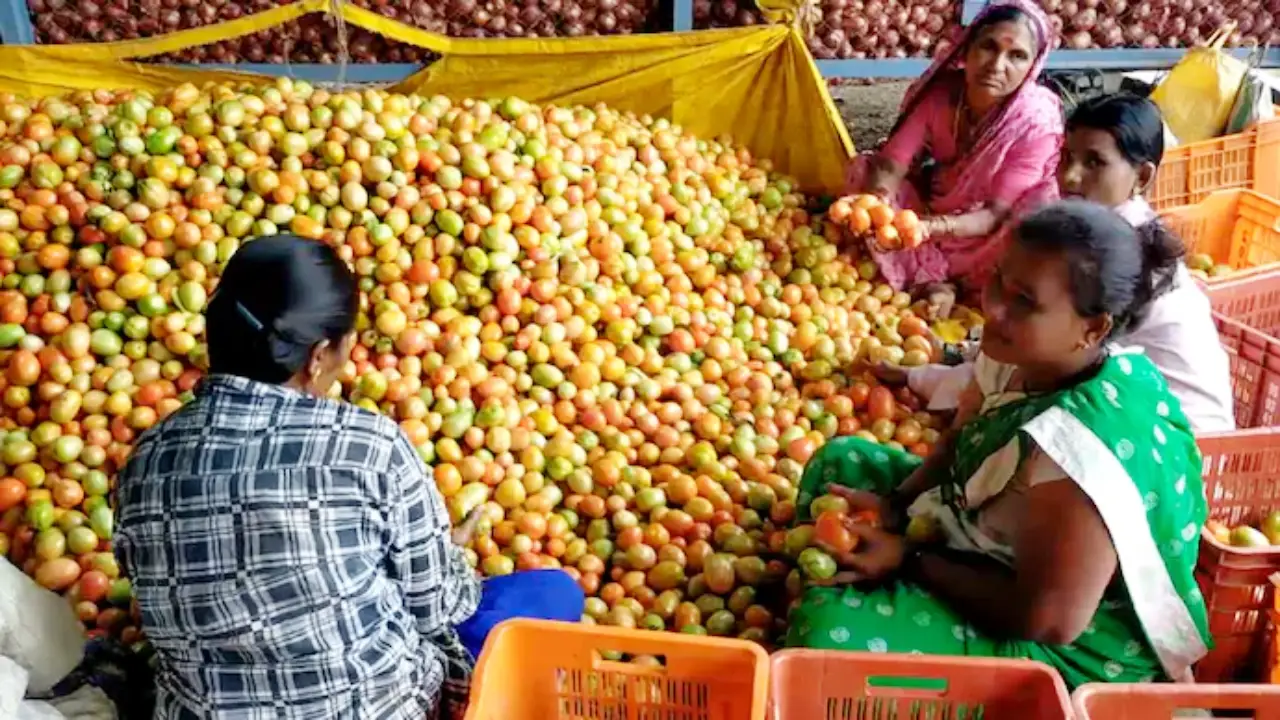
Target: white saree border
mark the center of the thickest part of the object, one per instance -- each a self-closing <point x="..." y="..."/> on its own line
<point x="1092" y="466"/>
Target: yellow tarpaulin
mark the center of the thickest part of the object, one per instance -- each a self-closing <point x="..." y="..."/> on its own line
<point x="757" y="85"/>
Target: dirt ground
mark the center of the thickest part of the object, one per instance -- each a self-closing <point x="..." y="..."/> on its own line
<point x="869" y="110"/>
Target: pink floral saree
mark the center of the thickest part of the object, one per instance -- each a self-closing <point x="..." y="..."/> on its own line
<point x="1028" y="126"/>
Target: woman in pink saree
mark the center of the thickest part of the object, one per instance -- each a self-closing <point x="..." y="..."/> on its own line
<point x="976" y="143"/>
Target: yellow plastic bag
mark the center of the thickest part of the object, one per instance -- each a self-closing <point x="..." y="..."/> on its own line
<point x="758" y="85"/>
<point x="1197" y="95"/>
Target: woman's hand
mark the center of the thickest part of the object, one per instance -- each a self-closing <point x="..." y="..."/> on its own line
<point x="880" y="554"/>
<point x="464" y="533"/>
<point x="934" y="225"/>
<point x="941" y="300"/>
<point x="890" y="374"/>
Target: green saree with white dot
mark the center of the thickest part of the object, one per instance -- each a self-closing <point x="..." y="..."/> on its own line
<point x="1122" y="438"/>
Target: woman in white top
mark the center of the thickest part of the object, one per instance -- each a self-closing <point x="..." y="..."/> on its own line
<point x="1113" y="146"/>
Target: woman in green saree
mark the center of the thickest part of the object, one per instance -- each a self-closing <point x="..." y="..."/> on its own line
<point x="1066" y="501"/>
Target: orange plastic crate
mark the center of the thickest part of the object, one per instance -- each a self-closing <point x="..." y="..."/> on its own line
<point x="1273" y="640"/>
<point x="1254" y="359"/>
<point x="1239" y="228"/>
<point x="1252" y="299"/>
<point x="1249" y="160"/>
<point x="826" y="685"/>
<point x="539" y="670"/>
<point x="1241" y="474"/>
<point x="1160" y="701"/>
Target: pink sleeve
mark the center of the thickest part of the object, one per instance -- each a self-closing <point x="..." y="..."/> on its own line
<point x="1028" y="164"/>
<point x="912" y="136"/>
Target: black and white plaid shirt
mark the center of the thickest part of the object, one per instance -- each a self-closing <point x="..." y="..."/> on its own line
<point x="292" y="559"/>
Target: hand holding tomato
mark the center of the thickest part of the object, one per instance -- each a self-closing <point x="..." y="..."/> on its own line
<point x="463" y="534"/>
<point x="880" y="554"/>
<point x="867" y="508"/>
<point x="831" y="531"/>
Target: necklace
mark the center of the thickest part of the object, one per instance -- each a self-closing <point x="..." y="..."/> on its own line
<point x="962" y="125"/>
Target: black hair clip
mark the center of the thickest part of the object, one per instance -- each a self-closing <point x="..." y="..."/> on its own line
<point x="249" y="317"/>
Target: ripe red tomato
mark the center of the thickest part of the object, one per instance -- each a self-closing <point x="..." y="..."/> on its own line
<point x="831" y="532"/>
<point x="866" y="517"/>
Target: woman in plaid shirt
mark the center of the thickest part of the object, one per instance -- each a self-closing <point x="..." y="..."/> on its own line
<point x="290" y="554"/>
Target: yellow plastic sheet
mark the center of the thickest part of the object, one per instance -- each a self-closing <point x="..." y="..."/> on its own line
<point x="757" y="85"/>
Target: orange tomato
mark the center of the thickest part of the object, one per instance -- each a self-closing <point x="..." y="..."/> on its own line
<point x="840" y="210"/>
<point x="881" y="216"/>
<point x="801" y="449"/>
<point x="12" y="492"/>
<point x="880" y="403"/>
<point x="867" y="202"/>
<point x="913" y="326"/>
<point x="906" y="221"/>
<point x="860" y="393"/>
<point x="859" y="221"/>
<point x="912" y="238"/>
<point x="888" y="238"/>
<point x="830" y="530"/>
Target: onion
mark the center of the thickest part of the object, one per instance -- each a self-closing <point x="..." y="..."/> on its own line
<point x="1086" y="19"/>
<point x="1080" y="40"/>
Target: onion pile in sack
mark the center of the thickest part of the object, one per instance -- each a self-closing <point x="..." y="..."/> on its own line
<point x="622" y="341"/>
<point x="853" y="29"/>
<point x="1087" y="24"/>
<point x="315" y="39"/>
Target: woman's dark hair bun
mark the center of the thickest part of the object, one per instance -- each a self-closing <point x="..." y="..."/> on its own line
<point x="1110" y="270"/>
<point x="279" y="297"/>
<point x="1162" y="254"/>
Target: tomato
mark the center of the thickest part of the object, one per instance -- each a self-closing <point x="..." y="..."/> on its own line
<point x="830" y="530"/>
<point x="824" y="503"/>
<point x="665" y="576"/>
<point x="817" y="565"/>
<point x="94" y="585"/>
<point x="866" y="517"/>
<point x="57" y="574"/>
<point x="12" y="492"/>
<point x="719" y="573"/>
<point x="881" y="403"/>
<point x="860" y="393"/>
<point x="24" y="368"/>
